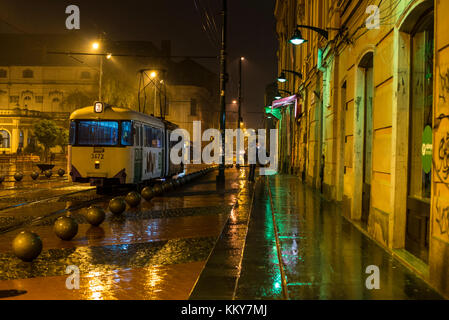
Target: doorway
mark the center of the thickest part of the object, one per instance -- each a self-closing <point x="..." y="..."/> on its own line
<point x="420" y="120"/>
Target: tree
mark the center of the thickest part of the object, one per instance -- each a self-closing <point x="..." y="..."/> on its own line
<point x="119" y="89"/>
<point x="63" y="139"/>
<point x="78" y="99"/>
<point x="47" y="133"/>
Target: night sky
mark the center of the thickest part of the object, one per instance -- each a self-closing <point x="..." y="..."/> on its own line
<point x="251" y="33"/>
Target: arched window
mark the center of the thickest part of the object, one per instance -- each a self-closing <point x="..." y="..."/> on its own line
<point x="5" y="139"/>
<point x="27" y="101"/>
<point x="28" y="73"/>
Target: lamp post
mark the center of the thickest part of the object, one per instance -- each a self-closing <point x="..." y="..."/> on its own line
<point x="278" y="94"/>
<point x="239" y="118"/>
<point x="223" y="80"/>
<point x="298" y="39"/>
<point x="96" y="46"/>
<point x="282" y="78"/>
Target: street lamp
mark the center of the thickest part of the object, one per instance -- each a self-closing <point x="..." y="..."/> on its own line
<point x="109" y="56"/>
<point x="282" y="78"/>
<point x="278" y="94"/>
<point x="298" y="39"/>
<point x="96" y="46"/>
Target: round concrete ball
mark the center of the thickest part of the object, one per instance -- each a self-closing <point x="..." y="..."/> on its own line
<point x="166" y="186"/>
<point x="133" y="199"/>
<point x="147" y="193"/>
<point x="27" y="246"/>
<point x="157" y="189"/>
<point x="66" y="228"/>
<point x="34" y="175"/>
<point x="95" y="215"/>
<point x="61" y="172"/>
<point x="18" y="176"/>
<point x="48" y="173"/>
<point x="117" y="205"/>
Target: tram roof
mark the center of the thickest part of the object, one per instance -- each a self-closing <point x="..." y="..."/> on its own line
<point x="114" y="113"/>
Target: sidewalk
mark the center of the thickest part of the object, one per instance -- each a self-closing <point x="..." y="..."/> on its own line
<point x="323" y="255"/>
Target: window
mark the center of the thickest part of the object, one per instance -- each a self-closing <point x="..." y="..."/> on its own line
<point x="21" y="139"/>
<point x="14" y="99"/>
<point x="5" y="139"/>
<point x="3" y="73"/>
<point x="97" y="133"/>
<point x="157" y="140"/>
<point x="126" y="138"/>
<point x="85" y="75"/>
<point x="39" y="99"/>
<point x="27" y="73"/>
<point x="26" y="101"/>
<point x="148" y="133"/>
<point x="193" y="107"/>
<point x="72" y="132"/>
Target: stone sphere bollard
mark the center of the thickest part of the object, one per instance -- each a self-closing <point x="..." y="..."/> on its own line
<point x="27" y="246"/>
<point x="165" y="187"/>
<point x="117" y="205"/>
<point x="133" y="199"/>
<point x="48" y="173"/>
<point x="18" y="176"/>
<point x="34" y="175"/>
<point x="147" y="193"/>
<point x="61" y="172"/>
<point x="66" y="228"/>
<point x="95" y="215"/>
<point x="157" y="189"/>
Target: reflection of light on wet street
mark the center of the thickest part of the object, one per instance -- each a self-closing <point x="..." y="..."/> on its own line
<point x="155" y="251"/>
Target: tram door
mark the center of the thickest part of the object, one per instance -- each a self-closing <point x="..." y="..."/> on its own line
<point x="138" y="157"/>
<point x="419" y="177"/>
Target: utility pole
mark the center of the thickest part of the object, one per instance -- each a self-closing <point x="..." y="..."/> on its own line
<point x="239" y="112"/>
<point x="223" y="80"/>
<point x="100" y="80"/>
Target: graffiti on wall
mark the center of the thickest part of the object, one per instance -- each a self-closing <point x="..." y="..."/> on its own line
<point x="442" y="216"/>
<point x="444" y="85"/>
<point x="442" y="161"/>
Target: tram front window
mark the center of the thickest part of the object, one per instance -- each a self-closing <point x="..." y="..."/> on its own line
<point x="97" y="133"/>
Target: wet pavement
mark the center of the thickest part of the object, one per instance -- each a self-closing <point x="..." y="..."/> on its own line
<point x="155" y="251"/>
<point x="270" y="239"/>
<point x="323" y="256"/>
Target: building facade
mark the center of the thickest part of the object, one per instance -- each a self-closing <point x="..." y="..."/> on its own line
<point x="38" y="79"/>
<point x="369" y="127"/>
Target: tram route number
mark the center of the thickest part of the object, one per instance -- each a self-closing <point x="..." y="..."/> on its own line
<point x="98" y="156"/>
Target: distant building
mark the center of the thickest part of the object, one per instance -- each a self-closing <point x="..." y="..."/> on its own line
<point x="35" y="83"/>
